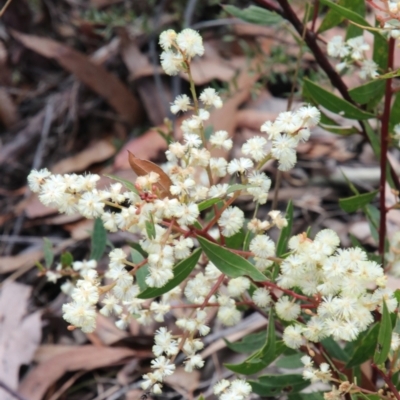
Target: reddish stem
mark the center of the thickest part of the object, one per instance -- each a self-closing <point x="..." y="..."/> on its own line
<point x="315" y="15"/>
<point x="287" y="291"/>
<point x="213" y="290"/>
<point x="388" y="382"/>
<point x="384" y="150"/>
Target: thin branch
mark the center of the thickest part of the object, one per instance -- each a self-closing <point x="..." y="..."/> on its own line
<point x="3" y="10"/>
<point x="384" y="150"/>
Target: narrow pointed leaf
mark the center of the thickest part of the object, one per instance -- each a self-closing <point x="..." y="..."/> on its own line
<point x="181" y="271"/>
<point x="365" y="347"/>
<point x="334" y="103"/>
<point x="354" y="203"/>
<point x="263" y="357"/>
<point x="230" y="263"/>
<point x="48" y="252"/>
<point x="249" y="343"/>
<point x="254" y="15"/>
<point x="364" y="94"/>
<point x="384" y="337"/>
<point x="142" y="272"/>
<point x="208" y="203"/>
<point x="273" y="385"/>
<point x="99" y="240"/>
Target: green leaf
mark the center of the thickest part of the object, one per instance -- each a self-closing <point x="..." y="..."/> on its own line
<point x="181" y="271"/>
<point x="150" y="229"/>
<point x="229" y="263"/>
<point x="365" y="347"/>
<point x="346" y="12"/>
<point x="273" y="385"/>
<point x="197" y="225"/>
<point x="99" y="240"/>
<point x="249" y="343"/>
<point x="332" y="126"/>
<point x="384" y="337"/>
<point x="208" y="203"/>
<point x="48" y="252"/>
<point x="353" y="203"/>
<point x="358" y="6"/>
<point x="334" y="103"/>
<point x="334" y="350"/>
<point x="254" y="15"/>
<point x="395" y="112"/>
<point x="306" y="396"/>
<point x="263" y="357"/>
<point x="66" y="259"/>
<point x="397" y="295"/>
<point x="371" y="91"/>
<point x="236" y="241"/>
<point x="381" y="51"/>
<point x="290" y="362"/>
<point x="129" y="185"/>
<point x="286" y="231"/>
<point x="373" y="216"/>
<point x="142" y="272"/>
<point x="238" y="186"/>
<point x="333" y="18"/>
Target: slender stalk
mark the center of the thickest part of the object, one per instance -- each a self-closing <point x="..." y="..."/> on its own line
<point x="315" y="14"/>
<point x="384" y="150"/>
<point x="388" y="382"/>
<point x="3" y="10"/>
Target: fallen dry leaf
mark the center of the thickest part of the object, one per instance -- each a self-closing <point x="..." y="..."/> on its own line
<point x="184" y="382"/>
<point x="39" y="379"/>
<point x="95" y="76"/>
<point x="94" y="153"/>
<point x="144" y="167"/>
<point x="8" y="110"/>
<point x="20" y="334"/>
<point x="11" y="263"/>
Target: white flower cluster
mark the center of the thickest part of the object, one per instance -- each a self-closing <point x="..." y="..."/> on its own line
<point x="286" y="132"/>
<point x="238" y="389"/>
<point x="341" y="279"/>
<point x="82" y="310"/>
<point x="179" y="48"/>
<point x="353" y="50"/>
<point x="322" y="374"/>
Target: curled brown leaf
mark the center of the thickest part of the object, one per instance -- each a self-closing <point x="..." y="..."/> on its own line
<point x="144" y="167"/>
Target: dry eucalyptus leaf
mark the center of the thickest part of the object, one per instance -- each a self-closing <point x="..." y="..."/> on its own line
<point x="144" y="167"/>
<point x="95" y="76"/>
<point x="88" y="357"/>
<point x="20" y="334"/>
<point x="94" y="153"/>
